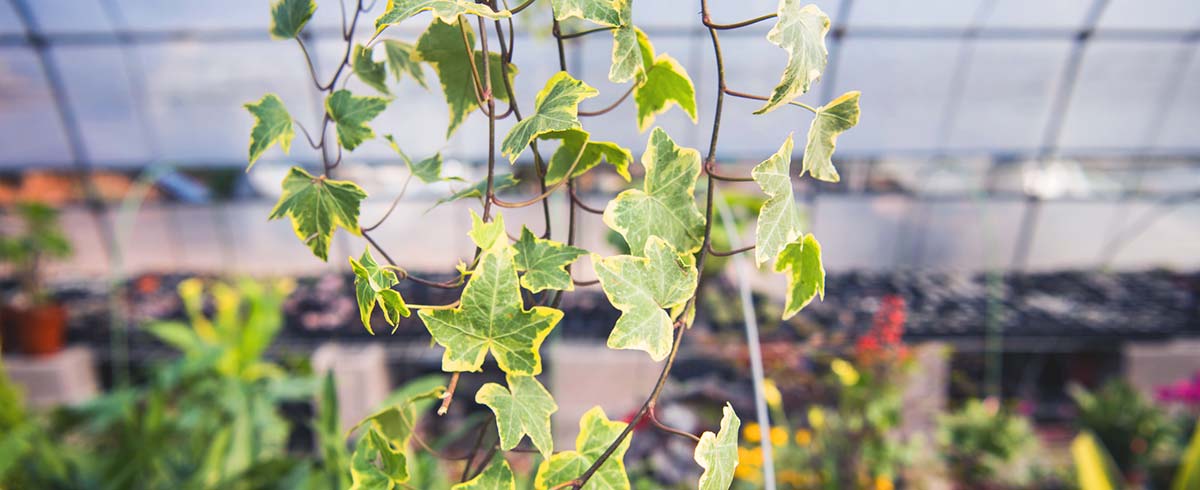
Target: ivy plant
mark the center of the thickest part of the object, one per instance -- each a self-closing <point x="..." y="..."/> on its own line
<point x="511" y="288"/>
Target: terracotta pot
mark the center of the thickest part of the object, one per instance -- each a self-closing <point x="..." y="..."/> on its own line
<point x="40" y="330"/>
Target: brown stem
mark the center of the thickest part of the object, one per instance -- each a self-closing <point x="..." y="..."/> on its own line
<point x="448" y="396"/>
<point x="708" y="23"/>
<point x="574" y="35"/>
<point x="592" y="282"/>
<point x="710" y="168"/>
<point x="759" y="97"/>
<point x="729" y="253"/>
<point x="579" y="202"/>
<point x="670" y="430"/>
<point x="608" y="109"/>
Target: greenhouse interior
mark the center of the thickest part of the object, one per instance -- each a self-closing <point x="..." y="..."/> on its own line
<point x="600" y="244"/>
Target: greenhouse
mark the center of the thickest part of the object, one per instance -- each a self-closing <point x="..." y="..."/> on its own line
<point x="600" y="244"/>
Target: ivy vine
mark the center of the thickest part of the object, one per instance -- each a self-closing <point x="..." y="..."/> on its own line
<point x="669" y="235"/>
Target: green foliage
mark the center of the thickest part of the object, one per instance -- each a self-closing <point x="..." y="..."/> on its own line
<point x="491" y="317"/>
<point x="800" y="31"/>
<point x="555" y="109"/>
<point x="544" y="263"/>
<point x="272" y="124"/>
<point x="578" y="151"/>
<point x="1093" y="466"/>
<point x="596" y="431"/>
<point x="351" y="113"/>
<point x="980" y="439"/>
<point x="402" y="60"/>
<point x="779" y="221"/>
<point x="524" y="408"/>
<point x="666" y="206"/>
<point x="1127" y="424"/>
<point x="442" y="47"/>
<point x="667" y="84"/>
<point x="832" y="119"/>
<point x="603" y="12"/>
<point x="717" y="453"/>
<point x="317" y="206"/>
<point x="373" y="286"/>
<point x="497" y="476"/>
<point x="642" y="288"/>
<point x="447" y="11"/>
<point x="428" y="170"/>
<point x="479" y="189"/>
<point x="288" y="17"/>
<point x="801" y="259"/>
<point x="39" y="238"/>
<point x="371" y="72"/>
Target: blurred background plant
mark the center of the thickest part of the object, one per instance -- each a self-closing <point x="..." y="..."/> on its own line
<point x="981" y="442"/>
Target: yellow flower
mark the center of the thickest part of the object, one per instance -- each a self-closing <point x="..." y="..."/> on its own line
<point x="751" y="433"/>
<point x="803" y="437"/>
<point x="771" y="394"/>
<point x="845" y="372"/>
<point x="883" y="483"/>
<point x="779" y="436"/>
<point x="816" y="418"/>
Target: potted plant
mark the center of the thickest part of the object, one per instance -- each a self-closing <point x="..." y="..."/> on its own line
<point x="31" y="316"/>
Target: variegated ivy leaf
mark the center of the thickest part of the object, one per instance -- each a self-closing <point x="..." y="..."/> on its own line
<point x="446" y="11"/>
<point x="779" y="220"/>
<point x="596" y="432"/>
<point x="272" y="124"/>
<point x="666" y="207"/>
<point x="544" y="263"/>
<point x="442" y="47"/>
<point x="603" y="12"/>
<point x="288" y="17"/>
<point x="391" y="469"/>
<point x="718" y="453"/>
<point x="801" y="259"/>
<point x="556" y="108"/>
<point x="351" y="113"/>
<point x="402" y="58"/>
<point x="667" y="84"/>
<point x="428" y="170"/>
<point x="524" y="408"/>
<point x="371" y="72"/>
<point x="497" y="476"/>
<point x="800" y="31"/>
<point x="386" y="439"/>
<point x="373" y="286"/>
<point x="488" y="234"/>
<point x="317" y="206"/>
<point x="491" y="317"/>
<point x="643" y="288"/>
<point x="627" y="63"/>
<point x="832" y="119"/>
<point x="478" y="189"/>
<point x="579" y="150"/>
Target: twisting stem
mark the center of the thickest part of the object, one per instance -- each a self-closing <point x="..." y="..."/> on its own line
<point x="579" y="202"/>
<point x="592" y="282"/>
<point x="608" y="109"/>
<point x="491" y="113"/>
<point x="311" y="142"/>
<point x="545" y="194"/>
<point x="759" y="97"/>
<point x="735" y="25"/>
<point x="403" y="189"/>
<point x="516" y="10"/>
<point x="478" y="84"/>
<point x="735" y="251"/>
<point x="571" y="483"/>
<point x="710" y="168"/>
<point x="475" y="449"/>
<point x="670" y="430"/>
<point x="574" y="35"/>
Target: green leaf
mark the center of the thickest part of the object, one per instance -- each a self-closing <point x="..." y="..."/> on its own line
<point x="779" y="220"/>
<point x="544" y="263"/>
<point x="642" y="288"/>
<point x="365" y="474"/>
<point x="555" y="109"/>
<point x="289" y="16"/>
<point x="718" y="453"/>
<point x="490" y="234"/>
<point x="351" y="113"/>
<point x="800" y="31"/>
<point x="832" y="119"/>
<point x="491" y="317"/>
<point x="442" y="47"/>
<point x="317" y="206"/>
<point x="806" y="276"/>
<point x="577" y="145"/>
<point x="428" y="170"/>
<point x="1188" y="475"/>
<point x="478" y="189"/>
<point x="497" y="476"/>
<point x="667" y="84"/>
<point x="371" y="72"/>
<point x="272" y="124"/>
<point x="402" y="58"/>
<point x="666" y="207"/>
<point x="603" y="12"/>
<point x="525" y="410"/>
<point x="627" y="62"/>
<point x="373" y="285"/>
<point x="446" y="11"/>
<point x="596" y="432"/>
